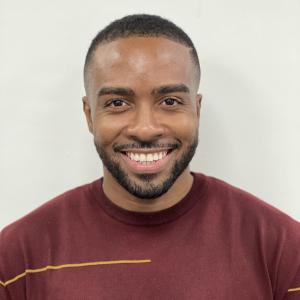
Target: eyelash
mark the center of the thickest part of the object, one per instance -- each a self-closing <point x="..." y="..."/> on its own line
<point x="110" y="103"/>
<point x="123" y="102"/>
<point x="173" y="99"/>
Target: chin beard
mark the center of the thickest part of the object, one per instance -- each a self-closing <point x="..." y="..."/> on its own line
<point x="147" y="189"/>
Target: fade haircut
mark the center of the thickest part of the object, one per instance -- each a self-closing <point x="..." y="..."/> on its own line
<point x="141" y="25"/>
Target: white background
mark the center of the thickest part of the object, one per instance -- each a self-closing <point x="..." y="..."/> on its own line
<point x="250" y="56"/>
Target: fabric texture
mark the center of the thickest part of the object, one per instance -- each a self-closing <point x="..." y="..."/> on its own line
<point x="219" y="242"/>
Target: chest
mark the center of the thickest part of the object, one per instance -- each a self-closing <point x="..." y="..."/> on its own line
<point x="165" y="265"/>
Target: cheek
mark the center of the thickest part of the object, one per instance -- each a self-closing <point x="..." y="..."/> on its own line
<point x="106" y="131"/>
<point x="186" y="128"/>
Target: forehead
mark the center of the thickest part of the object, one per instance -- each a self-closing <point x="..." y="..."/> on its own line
<point x="156" y="60"/>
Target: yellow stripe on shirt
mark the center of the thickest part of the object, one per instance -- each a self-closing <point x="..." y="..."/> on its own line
<point x="294" y="289"/>
<point x="86" y="264"/>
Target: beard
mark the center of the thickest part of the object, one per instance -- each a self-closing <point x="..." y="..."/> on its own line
<point x="147" y="188"/>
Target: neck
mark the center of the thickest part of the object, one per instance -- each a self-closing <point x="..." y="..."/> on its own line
<point x="122" y="198"/>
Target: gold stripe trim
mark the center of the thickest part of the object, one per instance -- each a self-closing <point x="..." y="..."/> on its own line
<point x="87" y="264"/>
<point x="294" y="289"/>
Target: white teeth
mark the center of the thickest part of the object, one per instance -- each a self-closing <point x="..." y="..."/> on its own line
<point x="149" y="157"/>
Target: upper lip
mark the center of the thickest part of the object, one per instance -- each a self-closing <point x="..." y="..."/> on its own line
<point x="147" y="150"/>
<point x="159" y="146"/>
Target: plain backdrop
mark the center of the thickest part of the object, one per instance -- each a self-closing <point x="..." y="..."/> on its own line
<point x="249" y="135"/>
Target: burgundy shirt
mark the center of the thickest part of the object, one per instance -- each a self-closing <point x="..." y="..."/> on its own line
<point x="217" y="243"/>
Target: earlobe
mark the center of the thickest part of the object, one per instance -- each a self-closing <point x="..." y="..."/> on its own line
<point x="87" y="112"/>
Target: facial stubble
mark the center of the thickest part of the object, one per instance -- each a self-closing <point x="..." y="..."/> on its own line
<point x="148" y="189"/>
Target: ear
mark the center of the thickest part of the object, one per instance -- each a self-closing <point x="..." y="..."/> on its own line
<point x="87" y="112"/>
<point x="198" y="104"/>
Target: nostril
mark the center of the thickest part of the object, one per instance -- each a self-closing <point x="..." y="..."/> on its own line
<point x="145" y="132"/>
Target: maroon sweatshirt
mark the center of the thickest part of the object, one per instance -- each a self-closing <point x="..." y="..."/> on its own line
<point x="217" y="243"/>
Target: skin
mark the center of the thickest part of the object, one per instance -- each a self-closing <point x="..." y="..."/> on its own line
<point x="125" y="105"/>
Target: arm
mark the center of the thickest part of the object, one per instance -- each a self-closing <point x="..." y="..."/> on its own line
<point x="11" y="262"/>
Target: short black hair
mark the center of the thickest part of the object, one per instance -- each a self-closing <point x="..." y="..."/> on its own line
<point x="143" y="25"/>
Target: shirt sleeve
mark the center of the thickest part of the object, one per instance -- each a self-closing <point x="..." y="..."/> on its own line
<point x="3" y="293"/>
<point x="293" y="293"/>
<point x="3" y="290"/>
<point x="288" y="271"/>
<point x="11" y="262"/>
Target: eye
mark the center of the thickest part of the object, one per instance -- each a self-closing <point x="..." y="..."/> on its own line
<point x="117" y="103"/>
<point x="170" y="102"/>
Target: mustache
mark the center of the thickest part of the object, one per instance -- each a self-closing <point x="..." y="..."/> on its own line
<point x="145" y="145"/>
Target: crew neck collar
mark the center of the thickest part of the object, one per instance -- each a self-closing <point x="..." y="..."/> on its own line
<point x="196" y="192"/>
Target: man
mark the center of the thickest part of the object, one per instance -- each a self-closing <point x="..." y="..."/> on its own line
<point x="149" y="229"/>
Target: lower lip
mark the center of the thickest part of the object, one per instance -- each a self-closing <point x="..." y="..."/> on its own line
<point x="152" y="167"/>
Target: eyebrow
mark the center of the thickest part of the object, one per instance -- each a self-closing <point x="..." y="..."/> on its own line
<point x="116" y="91"/>
<point x="173" y="88"/>
<point x="165" y="89"/>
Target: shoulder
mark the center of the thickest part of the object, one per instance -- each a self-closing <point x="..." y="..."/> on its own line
<point x="29" y="242"/>
<point x="50" y="213"/>
<point x="236" y="199"/>
<point x="247" y="212"/>
<point x="257" y="227"/>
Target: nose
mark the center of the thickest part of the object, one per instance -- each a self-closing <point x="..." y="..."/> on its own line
<point x="145" y="125"/>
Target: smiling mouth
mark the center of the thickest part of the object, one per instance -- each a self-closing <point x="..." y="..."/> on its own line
<point x="147" y="158"/>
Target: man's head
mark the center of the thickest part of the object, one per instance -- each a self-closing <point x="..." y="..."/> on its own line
<point x="141" y="78"/>
<point x="144" y="26"/>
